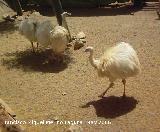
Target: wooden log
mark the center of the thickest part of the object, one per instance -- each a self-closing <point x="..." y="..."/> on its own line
<point x="7" y="108"/>
<point x="7" y="121"/>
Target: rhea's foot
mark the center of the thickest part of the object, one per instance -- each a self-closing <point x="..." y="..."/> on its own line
<point x="101" y="95"/>
<point x="124" y="96"/>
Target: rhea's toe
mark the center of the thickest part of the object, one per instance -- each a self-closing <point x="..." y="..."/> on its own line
<point x="124" y="96"/>
<point x="33" y="50"/>
<point x="101" y="96"/>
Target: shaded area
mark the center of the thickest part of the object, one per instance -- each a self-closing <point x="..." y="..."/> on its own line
<point x="10" y="3"/>
<point x="104" y="11"/>
<point x="124" y="9"/>
<point x="150" y="6"/>
<point x="29" y="61"/>
<point x="110" y="10"/>
<point x="5" y="9"/>
<point x="112" y="107"/>
<point x="119" y="9"/>
<point x="7" y="27"/>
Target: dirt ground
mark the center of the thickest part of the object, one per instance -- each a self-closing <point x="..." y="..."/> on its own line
<point x="35" y="91"/>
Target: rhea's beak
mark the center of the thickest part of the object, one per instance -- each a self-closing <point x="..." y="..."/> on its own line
<point x="66" y="13"/>
<point x="69" y="14"/>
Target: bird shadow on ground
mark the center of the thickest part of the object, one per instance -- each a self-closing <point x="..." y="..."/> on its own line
<point x="112" y="106"/>
<point x="29" y="61"/>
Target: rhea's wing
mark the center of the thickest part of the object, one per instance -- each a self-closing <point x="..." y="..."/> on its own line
<point x="121" y="61"/>
<point x="43" y="33"/>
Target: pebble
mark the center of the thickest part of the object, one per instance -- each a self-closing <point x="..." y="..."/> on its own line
<point x="64" y="93"/>
<point x="80" y="35"/>
<point x="75" y="128"/>
<point x="55" y="118"/>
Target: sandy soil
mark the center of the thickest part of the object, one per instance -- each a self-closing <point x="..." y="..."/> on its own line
<point x="35" y="90"/>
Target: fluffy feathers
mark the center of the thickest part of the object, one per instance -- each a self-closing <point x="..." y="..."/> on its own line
<point x="59" y="39"/>
<point x="27" y="28"/>
<point x="118" y="62"/>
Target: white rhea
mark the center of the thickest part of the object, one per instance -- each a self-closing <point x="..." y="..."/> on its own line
<point x="59" y="39"/>
<point x="118" y="62"/>
<point x="27" y="28"/>
<point x="65" y="24"/>
<point x="59" y="36"/>
<point x="43" y="33"/>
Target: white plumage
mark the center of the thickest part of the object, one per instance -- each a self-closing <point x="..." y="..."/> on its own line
<point x="27" y="28"/>
<point x="36" y="31"/>
<point x="47" y="35"/>
<point x="59" y="36"/>
<point x="43" y="33"/>
<point x="118" y="62"/>
<point x="59" y="39"/>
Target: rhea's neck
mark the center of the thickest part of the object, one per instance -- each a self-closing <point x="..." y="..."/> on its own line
<point x="94" y="62"/>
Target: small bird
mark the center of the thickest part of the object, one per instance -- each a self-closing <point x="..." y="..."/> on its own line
<point x="118" y="62"/>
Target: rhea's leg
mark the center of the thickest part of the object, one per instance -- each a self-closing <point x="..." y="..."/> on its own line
<point x="32" y="47"/>
<point x="48" y="55"/>
<point x="124" y="83"/>
<point x="60" y="58"/>
<point x="37" y="46"/>
<point x="110" y="85"/>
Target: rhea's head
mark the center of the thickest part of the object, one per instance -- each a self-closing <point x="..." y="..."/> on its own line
<point x="64" y="14"/>
<point x="89" y="49"/>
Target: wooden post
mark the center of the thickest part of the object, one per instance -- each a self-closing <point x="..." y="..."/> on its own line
<point x="57" y="7"/>
<point x="18" y="7"/>
<point x="7" y="108"/>
<point x="159" y="6"/>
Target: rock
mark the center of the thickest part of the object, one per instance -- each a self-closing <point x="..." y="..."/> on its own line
<point x="64" y="93"/>
<point x="36" y="13"/>
<point x="78" y="44"/>
<point x="69" y="45"/>
<point x="55" y="118"/>
<point x="7" y="17"/>
<point x="75" y="128"/>
<point x="83" y="40"/>
<point x="81" y="35"/>
<point x="79" y="40"/>
<point x="20" y="18"/>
